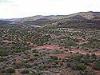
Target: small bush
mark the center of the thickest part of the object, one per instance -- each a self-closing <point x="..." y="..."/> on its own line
<point x="25" y="71"/>
<point x="78" y="66"/>
<point x="97" y="65"/>
<point x="81" y="66"/>
<point x="2" y="59"/>
<point x="10" y="70"/>
<point x="3" y="52"/>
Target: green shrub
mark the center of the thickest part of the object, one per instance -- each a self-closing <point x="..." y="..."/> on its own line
<point x="81" y="66"/>
<point x="10" y="70"/>
<point x="97" y="65"/>
<point x="2" y="59"/>
<point x="87" y="72"/>
<point x="77" y="66"/>
<point x="27" y="65"/>
<point x="3" y="52"/>
<point x="25" y="71"/>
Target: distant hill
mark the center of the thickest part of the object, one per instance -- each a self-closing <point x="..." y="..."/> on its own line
<point x="81" y="19"/>
<point x="4" y="22"/>
<point x="37" y="20"/>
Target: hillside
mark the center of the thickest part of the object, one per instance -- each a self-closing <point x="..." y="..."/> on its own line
<point x="51" y="45"/>
<point x="82" y="19"/>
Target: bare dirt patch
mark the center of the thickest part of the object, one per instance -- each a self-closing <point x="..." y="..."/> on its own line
<point x="49" y="47"/>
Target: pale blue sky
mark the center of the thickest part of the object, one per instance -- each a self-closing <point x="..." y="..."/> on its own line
<point x="24" y="8"/>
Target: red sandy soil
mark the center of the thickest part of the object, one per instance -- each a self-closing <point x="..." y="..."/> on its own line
<point x="17" y="59"/>
<point x="17" y="72"/>
<point x="97" y="72"/>
<point x="66" y="54"/>
<point x="49" y="47"/>
<point x="79" y="51"/>
<point x="97" y="53"/>
<point x="62" y="56"/>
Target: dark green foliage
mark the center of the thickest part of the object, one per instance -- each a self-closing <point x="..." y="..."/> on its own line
<point x="80" y="62"/>
<point x="87" y="72"/>
<point x="25" y="71"/>
<point x="77" y="66"/>
<point x="93" y="43"/>
<point x="97" y="65"/>
<point x="2" y="59"/>
<point x="53" y="59"/>
<point x="9" y="70"/>
<point x="80" y="66"/>
<point x="27" y="65"/>
<point x="68" y="42"/>
<point x="41" y="40"/>
<point x="4" y="52"/>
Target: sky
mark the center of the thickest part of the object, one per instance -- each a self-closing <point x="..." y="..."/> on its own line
<point x="25" y="8"/>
